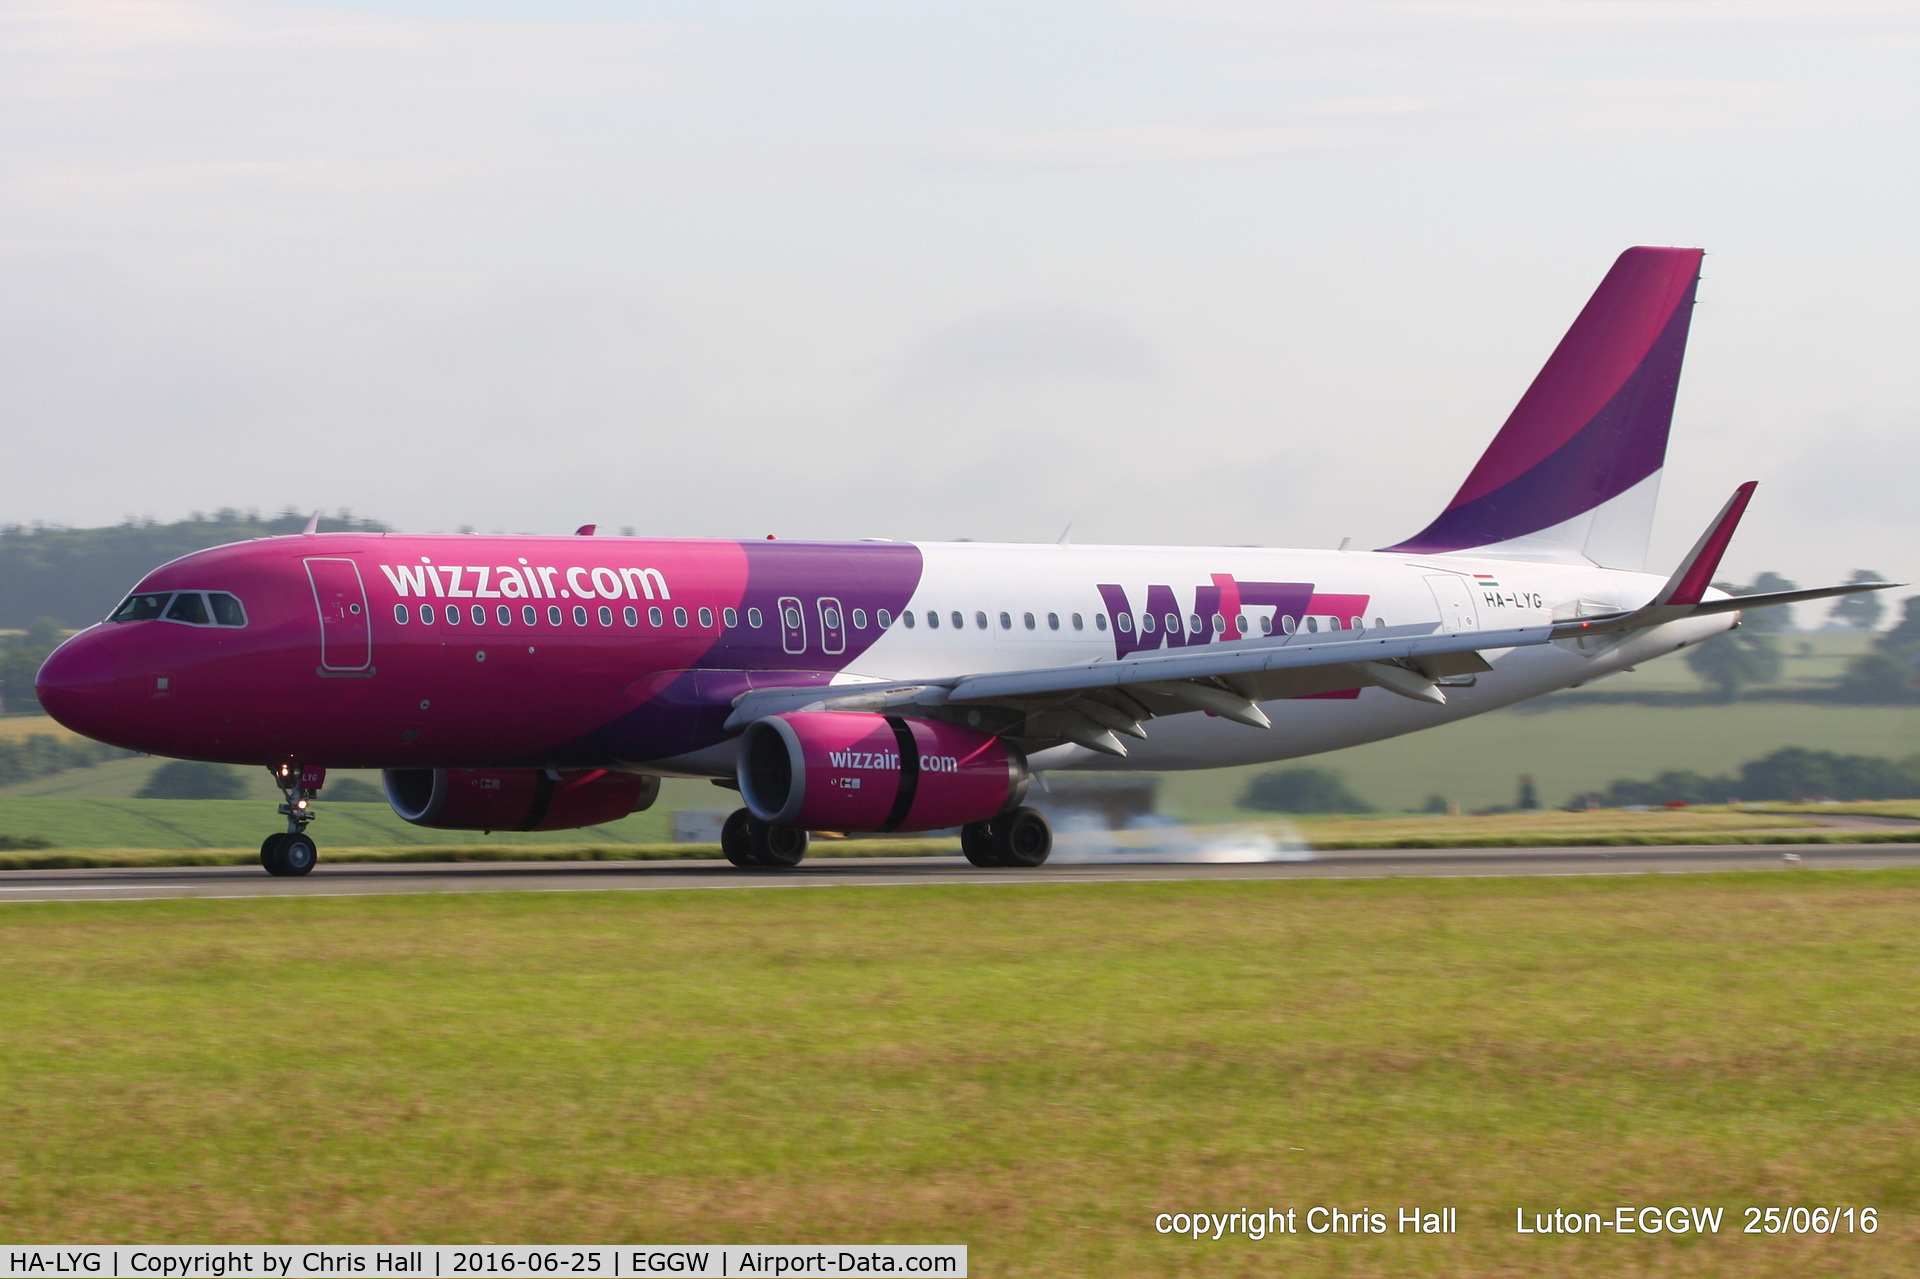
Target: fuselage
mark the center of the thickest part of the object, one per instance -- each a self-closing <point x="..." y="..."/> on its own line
<point x="390" y="651"/>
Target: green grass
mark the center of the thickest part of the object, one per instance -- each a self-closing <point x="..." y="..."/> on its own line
<point x="1035" y="1071"/>
<point x="1477" y="762"/>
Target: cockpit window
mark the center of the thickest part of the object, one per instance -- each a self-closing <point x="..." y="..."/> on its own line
<point x="188" y="607"/>
<point x="140" y="608"/>
<point x="226" y="609"/>
<point x="191" y="608"/>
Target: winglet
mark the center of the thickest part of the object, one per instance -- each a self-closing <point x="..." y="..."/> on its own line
<point x="313" y="526"/>
<point x="1689" y="582"/>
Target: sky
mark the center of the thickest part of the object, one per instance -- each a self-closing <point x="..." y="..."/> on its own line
<point x="1197" y="272"/>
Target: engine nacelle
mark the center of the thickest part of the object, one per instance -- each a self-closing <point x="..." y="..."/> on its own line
<point x="515" y="798"/>
<point x="842" y="770"/>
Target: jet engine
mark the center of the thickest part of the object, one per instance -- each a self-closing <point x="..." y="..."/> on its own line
<point x="516" y="798"/>
<point x="842" y="770"/>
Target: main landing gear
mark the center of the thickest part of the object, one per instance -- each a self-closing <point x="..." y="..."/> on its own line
<point x="294" y="852"/>
<point x="752" y="844"/>
<point x="1021" y="838"/>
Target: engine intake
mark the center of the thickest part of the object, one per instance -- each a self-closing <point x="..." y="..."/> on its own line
<point x="515" y="798"/>
<point x="842" y="770"/>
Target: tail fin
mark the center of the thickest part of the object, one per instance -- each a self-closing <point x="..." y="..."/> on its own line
<point x="1575" y="472"/>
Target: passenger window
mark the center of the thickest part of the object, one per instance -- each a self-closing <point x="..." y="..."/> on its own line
<point x="1147" y="623"/>
<point x="884" y="618"/>
<point x="753" y="618"/>
<point x="630" y="615"/>
<point x="655" y="617"/>
<point x="503" y="615"/>
<point x="706" y="617"/>
<point x="1193" y="623"/>
<point x="1379" y="621"/>
<point x="958" y="621"/>
<point x="188" y="607"/>
<point x="732" y="619"/>
<point x="1240" y="623"/>
<point x="1078" y="624"/>
<point x="829" y="616"/>
<point x="606" y="616"/>
<point x="227" y="610"/>
<point x="1123" y="622"/>
<point x="679" y="617"/>
<point x="1099" y="621"/>
<point x="980" y="620"/>
<point x="1359" y="623"/>
<point x="1286" y="624"/>
<point x="1313" y="625"/>
<point x="453" y="614"/>
<point x="1219" y="624"/>
<point x="1028" y="619"/>
<point x="859" y="619"/>
<point x="1266" y="626"/>
<point x="529" y="615"/>
<point x="400" y="614"/>
<point x="553" y="615"/>
<point x="426" y="613"/>
<point x="479" y="612"/>
<point x="139" y="608"/>
<point x="907" y="617"/>
<point x="933" y="620"/>
<point x="579" y="615"/>
<point x="791" y="616"/>
<point x="1053" y="621"/>
<point x="1006" y="622"/>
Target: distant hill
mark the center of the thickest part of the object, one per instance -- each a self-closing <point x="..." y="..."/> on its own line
<point x="77" y="575"/>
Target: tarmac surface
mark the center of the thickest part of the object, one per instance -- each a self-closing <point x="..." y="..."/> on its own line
<point x="359" y="879"/>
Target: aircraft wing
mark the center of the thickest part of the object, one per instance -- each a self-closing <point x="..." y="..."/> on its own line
<point x="1090" y="702"/>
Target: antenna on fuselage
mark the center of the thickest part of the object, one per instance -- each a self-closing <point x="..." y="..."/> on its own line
<point x="1066" y="535"/>
<point x="313" y="526"/>
<point x="585" y="530"/>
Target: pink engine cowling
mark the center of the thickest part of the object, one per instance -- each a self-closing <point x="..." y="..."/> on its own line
<point x="839" y="770"/>
<point x="516" y="798"/>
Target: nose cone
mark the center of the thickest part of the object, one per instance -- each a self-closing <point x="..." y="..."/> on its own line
<point x="76" y="683"/>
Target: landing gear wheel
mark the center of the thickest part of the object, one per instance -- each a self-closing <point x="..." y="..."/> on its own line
<point x="1022" y="838"/>
<point x="779" y="846"/>
<point x="299" y="855"/>
<point x="976" y="841"/>
<point x="289" y="854"/>
<point x="737" y="839"/>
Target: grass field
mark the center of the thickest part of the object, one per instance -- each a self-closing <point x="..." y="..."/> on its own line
<point x="1033" y="1071"/>
<point x="1477" y="762"/>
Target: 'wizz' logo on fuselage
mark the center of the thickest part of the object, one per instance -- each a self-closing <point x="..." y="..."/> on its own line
<point x="1218" y="613"/>
<point x="523" y="581"/>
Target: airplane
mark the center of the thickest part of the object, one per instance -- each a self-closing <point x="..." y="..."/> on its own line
<point x="546" y="683"/>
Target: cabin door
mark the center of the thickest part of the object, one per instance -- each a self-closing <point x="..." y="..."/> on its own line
<point x="346" y="640"/>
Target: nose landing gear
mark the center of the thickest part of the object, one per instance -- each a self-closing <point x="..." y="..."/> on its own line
<point x="294" y="852"/>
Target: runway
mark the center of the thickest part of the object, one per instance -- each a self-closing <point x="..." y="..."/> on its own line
<point x="364" y="879"/>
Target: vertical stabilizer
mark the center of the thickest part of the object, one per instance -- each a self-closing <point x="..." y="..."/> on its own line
<point x="1575" y="472"/>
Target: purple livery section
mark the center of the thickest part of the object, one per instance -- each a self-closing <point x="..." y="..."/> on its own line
<point x="1594" y="423"/>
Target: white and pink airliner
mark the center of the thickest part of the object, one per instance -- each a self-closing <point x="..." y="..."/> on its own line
<point x="539" y="683"/>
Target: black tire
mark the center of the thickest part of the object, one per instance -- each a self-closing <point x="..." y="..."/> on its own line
<point x="976" y="841"/>
<point x="1022" y="838"/>
<point x="299" y="855"/>
<point x="270" y="857"/>
<point x="779" y="846"/>
<point x="737" y="840"/>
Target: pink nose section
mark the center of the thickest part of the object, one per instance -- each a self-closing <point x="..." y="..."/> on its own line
<point x="76" y="683"/>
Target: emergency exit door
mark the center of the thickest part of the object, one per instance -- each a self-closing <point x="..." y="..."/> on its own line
<point x="346" y="641"/>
